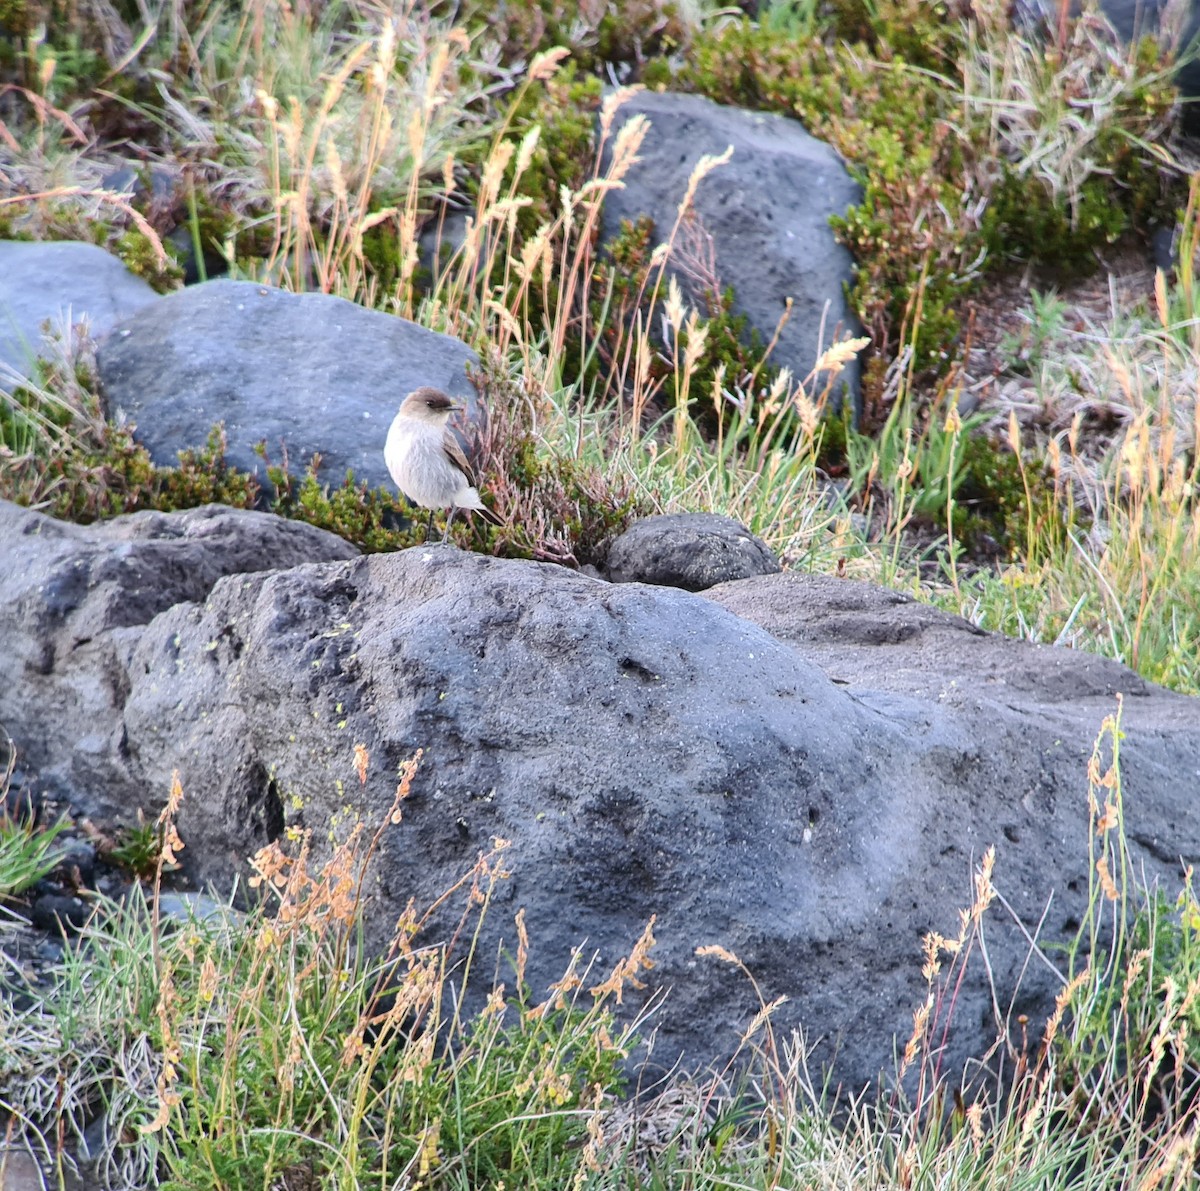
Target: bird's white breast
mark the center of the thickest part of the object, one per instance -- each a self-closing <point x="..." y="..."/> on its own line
<point x="416" y="459"/>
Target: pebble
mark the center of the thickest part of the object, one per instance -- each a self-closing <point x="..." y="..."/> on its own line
<point x="57" y="911"/>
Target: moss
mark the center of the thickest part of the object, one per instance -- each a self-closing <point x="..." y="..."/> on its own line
<point x="380" y="248"/>
<point x="922" y="32"/>
<point x="204" y="477"/>
<point x="138" y="255"/>
<point x="213" y="224"/>
<point x="374" y="520"/>
<point x="833" y="437"/>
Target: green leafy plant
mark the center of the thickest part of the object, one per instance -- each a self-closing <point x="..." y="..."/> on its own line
<point x="1026" y="351"/>
<point x="27" y="854"/>
<point x="27" y="851"/>
<point x="372" y="520"/>
<point x="139" y="847"/>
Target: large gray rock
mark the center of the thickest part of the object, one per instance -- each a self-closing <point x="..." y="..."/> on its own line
<point x="688" y="550"/>
<point x="307" y="373"/>
<point x="61" y="282"/>
<point x="812" y="798"/>
<point x="767" y="211"/>
<point x="71" y="593"/>
<point x="884" y="640"/>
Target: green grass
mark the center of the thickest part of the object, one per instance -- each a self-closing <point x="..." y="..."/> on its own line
<point x="266" y="1049"/>
<point x="138" y="847"/>
<point x="27" y="852"/>
<point x="317" y="145"/>
<point x="26" y="855"/>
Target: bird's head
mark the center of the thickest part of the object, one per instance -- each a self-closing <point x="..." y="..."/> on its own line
<point x="427" y="404"/>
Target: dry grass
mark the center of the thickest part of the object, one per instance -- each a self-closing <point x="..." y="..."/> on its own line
<point x="264" y="1048"/>
<point x="259" y="1051"/>
<point x="1111" y="420"/>
<point x="1049" y="109"/>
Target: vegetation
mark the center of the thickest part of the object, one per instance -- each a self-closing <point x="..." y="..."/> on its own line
<point x="27" y="849"/>
<point x="310" y="147"/>
<point x="139" y="847"/>
<point x="965" y="138"/>
<point x="27" y="854"/>
<point x="265" y="1049"/>
<point x="1005" y="148"/>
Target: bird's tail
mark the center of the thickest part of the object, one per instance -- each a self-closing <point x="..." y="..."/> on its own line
<point x="470" y="500"/>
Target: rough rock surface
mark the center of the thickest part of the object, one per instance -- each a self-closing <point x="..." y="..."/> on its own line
<point x="72" y="594"/>
<point x="646" y="751"/>
<point x="767" y="212"/>
<point x="306" y="372"/>
<point x="60" y="282"/>
<point x="887" y="641"/>
<point x="20" y="1171"/>
<point x="688" y="550"/>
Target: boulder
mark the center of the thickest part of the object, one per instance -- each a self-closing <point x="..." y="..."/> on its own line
<point x="62" y="283"/>
<point x="21" y="1171"/>
<point x="767" y="212"/>
<point x="805" y="791"/>
<point x="72" y="593"/>
<point x="688" y="550"/>
<point x="304" y="373"/>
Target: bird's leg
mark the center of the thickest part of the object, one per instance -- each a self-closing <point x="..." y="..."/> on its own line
<point x="449" y="519"/>
<point x="428" y="526"/>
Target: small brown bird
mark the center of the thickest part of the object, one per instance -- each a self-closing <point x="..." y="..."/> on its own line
<point x="425" y="460"/>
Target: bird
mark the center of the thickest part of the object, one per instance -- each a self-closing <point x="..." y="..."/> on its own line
<point x="425" y="460"/>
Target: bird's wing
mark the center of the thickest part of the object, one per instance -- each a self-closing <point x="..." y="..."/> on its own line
<point x="455" y="454"/>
